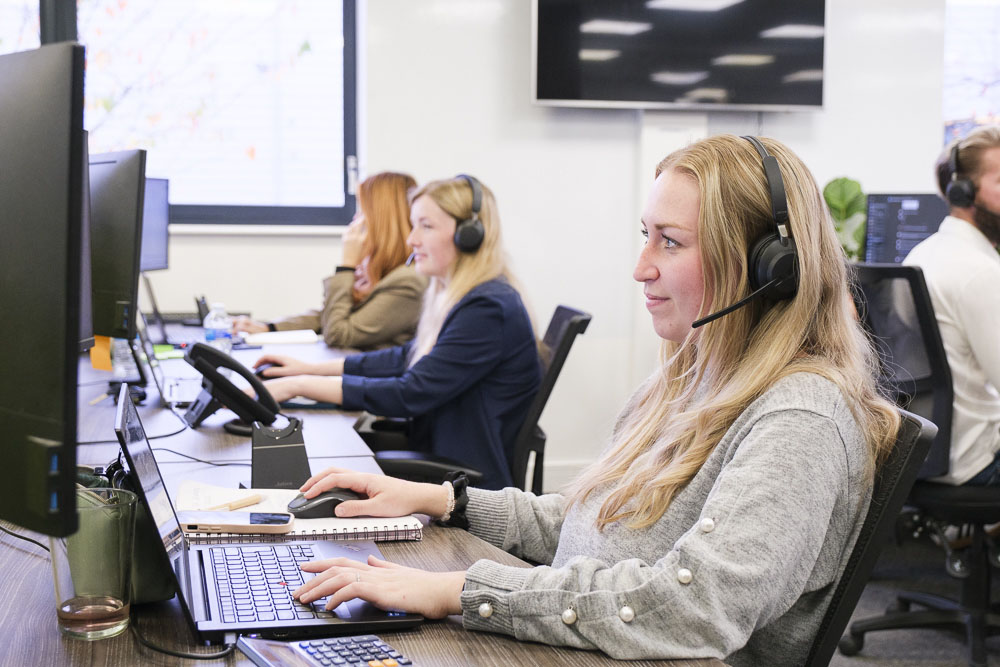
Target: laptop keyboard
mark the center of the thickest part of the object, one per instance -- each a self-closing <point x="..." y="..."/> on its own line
<point x="255" y="583"/>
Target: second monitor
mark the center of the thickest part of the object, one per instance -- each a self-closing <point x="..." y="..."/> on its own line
<point x="117" y="186"/>
<point x="898" y="222"/>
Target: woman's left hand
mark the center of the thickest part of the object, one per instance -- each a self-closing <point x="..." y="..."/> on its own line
<point x="386" y="585"/>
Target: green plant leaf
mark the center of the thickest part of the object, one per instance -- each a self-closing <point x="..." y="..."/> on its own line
<point x="843" y="196"/>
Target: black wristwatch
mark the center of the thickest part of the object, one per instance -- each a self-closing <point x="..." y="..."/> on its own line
<point x="459" y="482"/>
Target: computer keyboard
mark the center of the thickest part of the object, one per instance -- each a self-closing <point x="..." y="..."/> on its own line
<point x="255" y="583"/>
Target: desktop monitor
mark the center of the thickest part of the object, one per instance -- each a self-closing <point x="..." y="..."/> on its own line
<point x="41" y="201"/>
<point x="896" y="223"/>
<point x="117" y="186"/>
<point x="155" y="217"/>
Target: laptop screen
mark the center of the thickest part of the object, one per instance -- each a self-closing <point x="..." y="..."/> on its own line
<point x="132" y="437"/>
<point x="898" y="222"/>
<point x="147" y="349"/>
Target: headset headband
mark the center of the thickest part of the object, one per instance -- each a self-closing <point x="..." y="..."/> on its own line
<point x="477" y="193"/>
<point x="779" y="206"/>
<point x="953" y="160"/>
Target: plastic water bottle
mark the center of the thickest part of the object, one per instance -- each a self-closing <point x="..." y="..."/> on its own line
<point x="218" y="328"/>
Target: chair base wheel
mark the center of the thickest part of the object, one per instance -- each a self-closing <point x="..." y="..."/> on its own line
<point x="851" y="644"/>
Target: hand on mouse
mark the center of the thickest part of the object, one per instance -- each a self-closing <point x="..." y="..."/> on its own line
<point x="386" y="496"/>
<point x="283" y="365"/>
<point x="386" y="585"/>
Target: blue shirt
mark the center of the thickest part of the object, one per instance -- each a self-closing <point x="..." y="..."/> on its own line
<point x="469" y="394"/>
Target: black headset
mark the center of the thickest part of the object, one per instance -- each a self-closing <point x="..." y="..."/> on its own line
<point x="773" y="261"/>
<point x="469" y="233"/>
<point x="960" y="192"/>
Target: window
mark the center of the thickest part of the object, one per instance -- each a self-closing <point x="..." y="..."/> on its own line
<point x="247" y="107"/>
<point x="18" y="25"/>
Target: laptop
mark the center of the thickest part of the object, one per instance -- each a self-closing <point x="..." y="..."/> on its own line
<point x="229" y="589"/>
<point x="174" y="391"/>
<point x="161" y="323"/>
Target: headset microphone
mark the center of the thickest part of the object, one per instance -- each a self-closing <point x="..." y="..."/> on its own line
<point x="773" y="262"/>
<point x="739" y="304"/>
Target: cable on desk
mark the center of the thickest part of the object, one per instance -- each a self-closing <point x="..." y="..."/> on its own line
<point x="23" y="537"/>
<point x="133" y="627"/>
<point x="195" y="458"/>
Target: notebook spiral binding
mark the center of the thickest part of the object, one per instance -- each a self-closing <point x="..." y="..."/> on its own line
<point x="375" y="533"/>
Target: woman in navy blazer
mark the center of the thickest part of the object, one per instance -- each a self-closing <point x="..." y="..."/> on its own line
<point x="470" y="374"/>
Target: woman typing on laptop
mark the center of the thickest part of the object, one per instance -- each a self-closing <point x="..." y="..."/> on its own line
<point x="737" y="477"/>
<point x="373" y="299"/>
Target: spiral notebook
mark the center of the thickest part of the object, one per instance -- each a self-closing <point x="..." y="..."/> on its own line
<point x="195" y="496"/>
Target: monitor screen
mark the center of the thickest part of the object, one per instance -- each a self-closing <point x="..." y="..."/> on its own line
<point x="41" y="200"/>
<point x="896" y="223"/>
<point x="117" y="185"/>
<point x="698" y="54"/>
<point x="155" y="217"/>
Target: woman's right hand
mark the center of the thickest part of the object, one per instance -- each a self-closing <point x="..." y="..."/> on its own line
<point x="386" y="496"/>
<point x="354" y="240"/>
<point x="244" y="323"/>
<point x="282" y="366"/>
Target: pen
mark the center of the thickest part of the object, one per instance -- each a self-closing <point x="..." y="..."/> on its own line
<point x="237" y="504"/>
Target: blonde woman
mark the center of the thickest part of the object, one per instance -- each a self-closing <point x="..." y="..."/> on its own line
<point x="724" y="509"/>
<point x="373" y="298"/>
<point x="470" y="374"/>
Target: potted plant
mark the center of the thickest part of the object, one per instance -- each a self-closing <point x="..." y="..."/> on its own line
<point x="847" y="204"/>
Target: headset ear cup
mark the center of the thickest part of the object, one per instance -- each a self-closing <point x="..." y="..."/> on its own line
<point x="961" y="193"/>
<point x="769" y="259"/>
<point x="469" y="235"/>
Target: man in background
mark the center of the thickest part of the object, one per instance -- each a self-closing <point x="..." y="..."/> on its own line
<point x="961" y="266"/>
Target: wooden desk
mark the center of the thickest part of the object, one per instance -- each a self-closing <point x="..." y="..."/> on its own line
<point x="326" y="432"/>
<point x="27" y="616"/>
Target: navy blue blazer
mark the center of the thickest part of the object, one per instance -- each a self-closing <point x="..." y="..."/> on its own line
<point x="469" y="395"/>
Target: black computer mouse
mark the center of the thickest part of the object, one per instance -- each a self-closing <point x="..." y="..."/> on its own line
<point x="259" y="371"/>
<point x="321" y="506"/>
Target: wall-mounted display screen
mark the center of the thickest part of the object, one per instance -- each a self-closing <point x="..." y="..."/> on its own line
<point x="714" y="54"/>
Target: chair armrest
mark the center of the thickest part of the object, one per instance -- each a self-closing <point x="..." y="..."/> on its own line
<point x="421" y="466"/>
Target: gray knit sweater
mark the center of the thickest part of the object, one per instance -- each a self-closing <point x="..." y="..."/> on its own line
<point x="740" y="567"/>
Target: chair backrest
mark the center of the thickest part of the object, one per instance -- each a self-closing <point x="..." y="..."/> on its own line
<point x="566" y="324"/>
<point x="896" y="308"/>
<point x="892" y="484"/>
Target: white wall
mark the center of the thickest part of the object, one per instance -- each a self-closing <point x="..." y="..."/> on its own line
<point x="447" y="91"/>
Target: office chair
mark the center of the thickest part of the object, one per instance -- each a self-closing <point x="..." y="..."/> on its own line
<point x="892" y="484"/>
<point x="566" y="324"/>
<point x="896" y="307"/>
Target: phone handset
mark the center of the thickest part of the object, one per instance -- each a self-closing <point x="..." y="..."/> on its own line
<point x="218" y="391"/>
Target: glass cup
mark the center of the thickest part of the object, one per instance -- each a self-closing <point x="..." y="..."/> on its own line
<point x="92" y="567"/>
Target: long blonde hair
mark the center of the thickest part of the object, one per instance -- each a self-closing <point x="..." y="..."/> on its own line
<point x="382" y="199"/>
<point x="675" y="419"/>
<point x="454" y="196"/>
